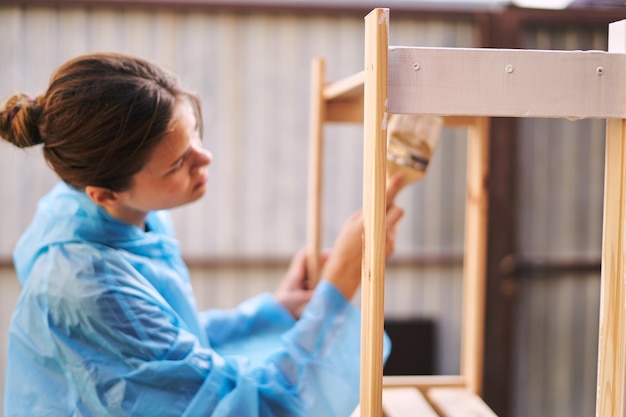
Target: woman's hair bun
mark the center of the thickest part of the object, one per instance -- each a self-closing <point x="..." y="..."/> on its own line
<point x="19" y="121"/>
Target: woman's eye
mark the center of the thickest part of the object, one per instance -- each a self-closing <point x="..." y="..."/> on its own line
<point x="178" y="166"/>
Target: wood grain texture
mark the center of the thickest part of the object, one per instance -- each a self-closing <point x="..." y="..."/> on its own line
<point x="476" y="212"/>
<point x="458" y="402"/>
<point x="404" y="402"/>
<point x="374" y="175"/>
<point x="316" y="149"/>
<point x="612" y="339"/>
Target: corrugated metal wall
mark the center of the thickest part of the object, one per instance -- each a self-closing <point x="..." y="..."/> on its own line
<point x="560" y="199"/>
<point x="252" y="71"/>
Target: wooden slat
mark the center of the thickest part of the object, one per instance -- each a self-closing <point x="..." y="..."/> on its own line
<point x="351" y="86"/>
<point x="611" y="399"/>
<point x="507" y="82"/>
<point x="348" y="110"/>
<point x="344" y="99"/>
<point x="458" y="402"/>
<point x="351" y="111"/>
<point x="459" y="121"/>
<point x="374" y="177"/>
<point x="316" y="146"/>
<point x="474" y="269"/>
<point x="424" y="381"/>
<point x="403" y="402"/>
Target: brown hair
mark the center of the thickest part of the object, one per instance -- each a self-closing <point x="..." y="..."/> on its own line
<point x="99" y="121"/>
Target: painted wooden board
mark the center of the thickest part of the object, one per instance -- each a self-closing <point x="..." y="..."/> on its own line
<point x="507" y="82"/>
<point x="458" y="402"/>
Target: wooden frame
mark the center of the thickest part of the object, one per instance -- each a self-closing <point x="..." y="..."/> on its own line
<point x="467" y="86"/>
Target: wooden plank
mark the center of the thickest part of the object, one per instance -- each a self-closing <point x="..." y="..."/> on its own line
<point x="348" y="87"/>
<point x="403" y="402"/>
<point x="474" y="269"/>
<point x="612" y="334"/>
<point x="351" y="111"/>
<point x="374" y="211"/>
<point x="424" y="381"/>
<point x="344" y="99"/>
<point x="507" y="82"/>
<point x="344" y="103"/>
<point x="459" y="121"/>
<point x="458" y="402"/>
<point x="316" y="148"/>
<point x="348" y="110"/>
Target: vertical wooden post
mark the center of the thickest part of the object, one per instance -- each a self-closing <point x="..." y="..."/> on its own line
<point x="316" y="149"/>
<point x="475" y="258"/>
<point x="612" y="339"/>
<point x="374" y="211"/>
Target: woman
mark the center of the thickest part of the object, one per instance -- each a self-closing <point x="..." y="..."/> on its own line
<point x="106" y="323"/>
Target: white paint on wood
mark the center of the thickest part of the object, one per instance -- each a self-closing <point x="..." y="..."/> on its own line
<point x="506" y="82"/>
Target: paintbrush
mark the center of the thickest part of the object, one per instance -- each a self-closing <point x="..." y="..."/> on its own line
<point x="411" y="142"/>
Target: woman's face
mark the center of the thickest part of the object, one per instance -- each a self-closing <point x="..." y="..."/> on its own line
<point x="177" y="171"/>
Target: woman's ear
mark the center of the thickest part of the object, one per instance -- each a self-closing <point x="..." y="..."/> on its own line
<point x="103" y="196"/>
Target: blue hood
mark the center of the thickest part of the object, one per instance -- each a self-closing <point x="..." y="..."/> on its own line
<point x="66" y="215"/>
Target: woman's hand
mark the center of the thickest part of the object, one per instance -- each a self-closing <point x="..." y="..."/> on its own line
<point x="343" y="268"/>
<point x="293" y="292"/>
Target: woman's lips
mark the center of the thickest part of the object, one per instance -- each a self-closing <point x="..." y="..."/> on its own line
<point x="202" y="181"/>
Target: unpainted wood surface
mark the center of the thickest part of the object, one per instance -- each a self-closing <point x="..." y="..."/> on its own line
<point x="458" y="402"/>
<point x="374" y="207"/>
<point x="612" y="339"/>
<point x="403" y="402"/>
<point x="316" y="147"/>
<point x="476" y="212"/>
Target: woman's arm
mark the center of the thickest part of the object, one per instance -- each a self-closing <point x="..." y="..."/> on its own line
<point x="127" y="353"/>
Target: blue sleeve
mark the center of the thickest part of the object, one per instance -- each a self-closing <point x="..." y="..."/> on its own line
<point x="253" y="329"/>
<point x="257" y="314"/>
<point x="125" y="352"/>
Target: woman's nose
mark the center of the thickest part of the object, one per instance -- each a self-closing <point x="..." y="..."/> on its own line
<point x="203" y="156"/>
<point x="206" y="156"/>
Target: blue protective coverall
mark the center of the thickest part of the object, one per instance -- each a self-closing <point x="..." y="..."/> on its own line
<point x="106" y="325"/>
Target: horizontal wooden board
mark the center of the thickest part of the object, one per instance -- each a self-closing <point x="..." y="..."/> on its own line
<point x="403" y="402"/>
<point x="458" y="402"/>
<point x="507" y="82"/>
